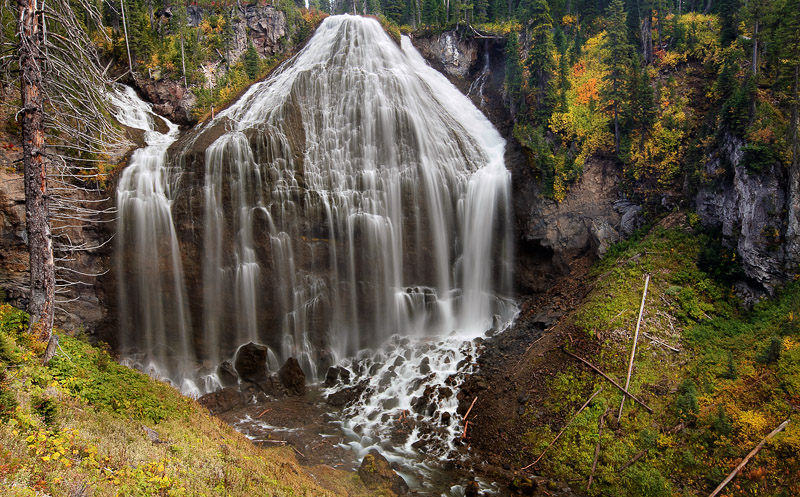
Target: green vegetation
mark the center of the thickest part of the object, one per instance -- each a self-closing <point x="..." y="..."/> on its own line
<point x="654" y="86"/>
<point x="78" y="424"/>
<point x="736" y="377"/>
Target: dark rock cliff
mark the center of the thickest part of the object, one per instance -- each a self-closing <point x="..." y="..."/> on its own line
<point x="749" y="208"/>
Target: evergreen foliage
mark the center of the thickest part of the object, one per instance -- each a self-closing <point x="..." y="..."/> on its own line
<point x="540" y="63"/>
<point x="617" y="59"/>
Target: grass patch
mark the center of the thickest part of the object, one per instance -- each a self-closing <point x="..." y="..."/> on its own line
<point x="76" y="427"/>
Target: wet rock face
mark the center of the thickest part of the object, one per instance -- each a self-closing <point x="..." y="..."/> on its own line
<point x="377" y="474"/>
<point x="251" y="362"/>
<point x="169" y="98"/>
<point x="227" y="374"/>
<point x="292" y="377"/>
<point x="748" y="207"/>
<point x="450" y="54"/>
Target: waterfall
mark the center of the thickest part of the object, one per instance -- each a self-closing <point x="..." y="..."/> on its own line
<point x="155" y="329"/>
<point x="352" y="196"/>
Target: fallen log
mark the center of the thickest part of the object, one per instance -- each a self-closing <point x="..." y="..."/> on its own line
<point x="748" y="457"/>
<point x="633" y="397"/>
<point x="633" y="348"/>
<point x="597" y="448"/>
<point x="564" y="428"/>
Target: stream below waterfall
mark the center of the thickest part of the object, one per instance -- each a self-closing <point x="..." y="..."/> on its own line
<point x="352" y="213"/>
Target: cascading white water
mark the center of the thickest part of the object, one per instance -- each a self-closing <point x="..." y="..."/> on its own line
<point x="353" y="208"/>
<point x="155" y="328"/>
<point x="383" y="191"/>
<point x="352" y="196"/>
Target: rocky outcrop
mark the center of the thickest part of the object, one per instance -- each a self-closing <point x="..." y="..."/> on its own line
<point x="377" y="474"/>
<point x="263" y="25"/>
<point x="170" y="98"/>
<point x="749" y="209"/>
<point x="449" y="53"/>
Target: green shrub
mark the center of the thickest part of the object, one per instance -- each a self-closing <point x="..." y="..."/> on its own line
<point x="686" y="403"/>
<point x="771" y="352"/>
<point x="8" y="403"/>
<point x="721" y="423"/>
<point x="642" y="479"/>
<point x="46" y="408"/>
<point x="730" y="369"/>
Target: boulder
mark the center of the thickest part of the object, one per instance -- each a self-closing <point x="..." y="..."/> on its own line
<point x="472" y="489"/>
<point x="523" y="485"/>
<point x="227" y="374"/>
<point x="346" y="396"/>
<point x="222" y="400"/>
<point x="251" y="362"/>
<point x="377" y="474"/>
<point x="292" y="377"/>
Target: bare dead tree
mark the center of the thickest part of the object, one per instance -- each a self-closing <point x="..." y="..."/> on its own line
<point x="67" y="133"/>
<point x="37" y="214"/>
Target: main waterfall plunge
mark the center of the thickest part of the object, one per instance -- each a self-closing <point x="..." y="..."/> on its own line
<point x="353" y="195"/>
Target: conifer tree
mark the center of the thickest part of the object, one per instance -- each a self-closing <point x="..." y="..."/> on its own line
<point x="513" y="83"/>
<point x="540" y="62"/>
<point x="729" y="21"/>
<point x="787" y="42"/>
<point x="640" y="108"/>
<point x="617" y="55"/>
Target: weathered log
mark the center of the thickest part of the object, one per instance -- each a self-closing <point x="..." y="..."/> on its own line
<point x="748" y="457"/>
<point x="608" y="378"/>
<point x="564" y="428"/>
<point x="633" y="349"/>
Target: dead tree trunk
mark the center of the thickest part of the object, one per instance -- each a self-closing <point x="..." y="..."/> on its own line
<point x="41" y="305"/>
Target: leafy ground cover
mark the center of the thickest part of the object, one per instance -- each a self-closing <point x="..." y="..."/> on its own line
<point x="85" y="425"/>
<point x="734" y="378"/>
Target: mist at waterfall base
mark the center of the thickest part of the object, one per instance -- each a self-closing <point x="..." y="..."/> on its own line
<point x="354" y="211"/>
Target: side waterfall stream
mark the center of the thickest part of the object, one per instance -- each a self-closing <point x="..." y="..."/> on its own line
<point x="351" y="211"/>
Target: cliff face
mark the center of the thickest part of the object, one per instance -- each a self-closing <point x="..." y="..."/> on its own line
<point x="85" y="302"/>
<point x="750" y="210"/>
<point x="263" y="26"/>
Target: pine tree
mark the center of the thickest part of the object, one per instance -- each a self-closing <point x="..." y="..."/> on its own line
<point x="513" y="83"/>
<point x="393" y="10"/>
<point x="729" y="21"/>
<point x="251" y="61"/>
<point x="540" y="61"/>
<point x="481" y="11"/>
<point x="617" y="56"/>
<point x="562" y="84"/>
<point x="787" y="41"/>
<point x="34" y="159"/>
<point x="429" y="14"/>
<point x="640" y="108"/>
